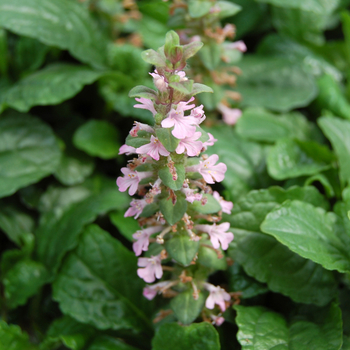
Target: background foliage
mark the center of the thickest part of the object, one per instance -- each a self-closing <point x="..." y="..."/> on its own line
<point x="67" y="271"/>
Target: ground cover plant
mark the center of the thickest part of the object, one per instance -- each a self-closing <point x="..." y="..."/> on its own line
<point x="174" y="174"/>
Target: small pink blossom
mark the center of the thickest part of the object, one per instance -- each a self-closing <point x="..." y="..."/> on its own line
<point x="140" y="126"/>
<point x="183" y="126"/>
<point x="151" y="291"/>
<point x="142" y="239"/>
<point x="153" y="149"/>
<point x="198" y="114"/>
<point x="136" y="208"/>
<point x="237" y="45"/>
<point x="125" y="149"/>
<point x="131" y="179"/>
<point x="190" y="144"/>
<point x="146" y="104"/>
<point x="159" y="81"/>
<point x="191" y="195"/>
<point x="210" y="142"/>
<point x="217" y="320"/>
<point x="156" y="187"/>
<point x="226" y="206"/>
<point x="182" y="75"/>
<point x="218" y="234"/>
<point x="184" y="106"/>
<point x="151" y="268"/>
<point x="217" y="295"/>
<point x="229" y="115"/>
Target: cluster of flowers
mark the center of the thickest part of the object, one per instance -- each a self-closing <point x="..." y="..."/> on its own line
<point x="143" y="176"/>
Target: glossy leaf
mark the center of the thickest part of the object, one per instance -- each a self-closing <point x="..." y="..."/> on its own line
<point x="98" y="138"/>
<point x="260" y="328"/>
<point x="311" y="233"/>
<point x="198" y="336"/>
<point x="51" y="248"/>
<point x="173" y="213"/>
<point x="275" y="83"/>
<point x="167" y="139"/>
<point x="185" y="307"/>
<point x="167" y="178"/>
<point x="28" y="152"/>
<point x="60" y="23"/>
<point x="49" y="86"/>
<point x="126" y="226"/>
<point x="12" y="338"/>
<point x="108" y="298"/>
<point x="337" y="131"/>
<point x="293" y="158"/>
<point x="181" y="248"/>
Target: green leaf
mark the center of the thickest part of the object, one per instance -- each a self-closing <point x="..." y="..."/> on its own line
<point x="173" y="213"/>
<point x="61" y="23"/>
<point x="199" y="88"/>
<point x="167" y="178"/>
<point x="311" y="233"/>
<point x="210" y="54"/>
<point x="185" y="87"/>
<point x="186" y="308"/>
<point x="181" y="248"/>
<point x="12" y="338"/>
<point x="15" y="223"/>
<point x="126" y="226"/>
<point x="260" y="125"/>
<point x="51" y="248"/>
<point x="142" y="138"/>
<point x="153" y="57"/>
<point x="199" y="8"/>
<point x="239" y="281"/>
<point x="191" y="49"/>
<point x="330" y="97"/>
<point x="227" y="8"/>
<point x="97" y="138"/>
<point x="143" y="91"/>
<point x="167" y="139"/>
<point x="72" y="334"/>
<point x="245" y="161"/>
<point x="274" y="83"/>
<point x="23" y="281"/>
<point x="337" y="131"/>
<point x="28" y="152"/>
<point x="268" y="260"/>
<point x="314" y="62"/>
<point x="49" y="86"/>
<point x="293" y="158"/>
<point x="105" y="297"/>
<point x="75" y="166"/>
<point x="105" y="342"/>
<point x="209" y="257"/>
<point x="212" y="206"/>
<point x="260" y="328"/>
<point x="198" y="336"/>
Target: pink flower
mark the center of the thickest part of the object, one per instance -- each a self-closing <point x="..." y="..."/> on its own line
<point x="131" y="179"/>
<point x="198" y="114"/>
<point x="190" y="194"/>
<point x="146" y="104"/>
<point x="217" y="234"/>
<point x="159" y="81"/>
<point x="136" y="208"/>
<point x="151" y="270"/>
<point x="217" y="295"/>
<point x="237" y="45"/>
<point x="229" y="115"/>
<point x="151" y="291"/>
<point x="183" y="126"/>
<point x="210" y="142"/>
<point x="153" y="149"/>
<point x="209" y="170"/>
<point x="139" y="126"/>
<point x="142" y="239"/>
<point x="156" y="187"/>
<point x="193" y="147"/>
<point x="226" y="206"/>
<point x="217" y="320"/>
<point x="125" y="149"/>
